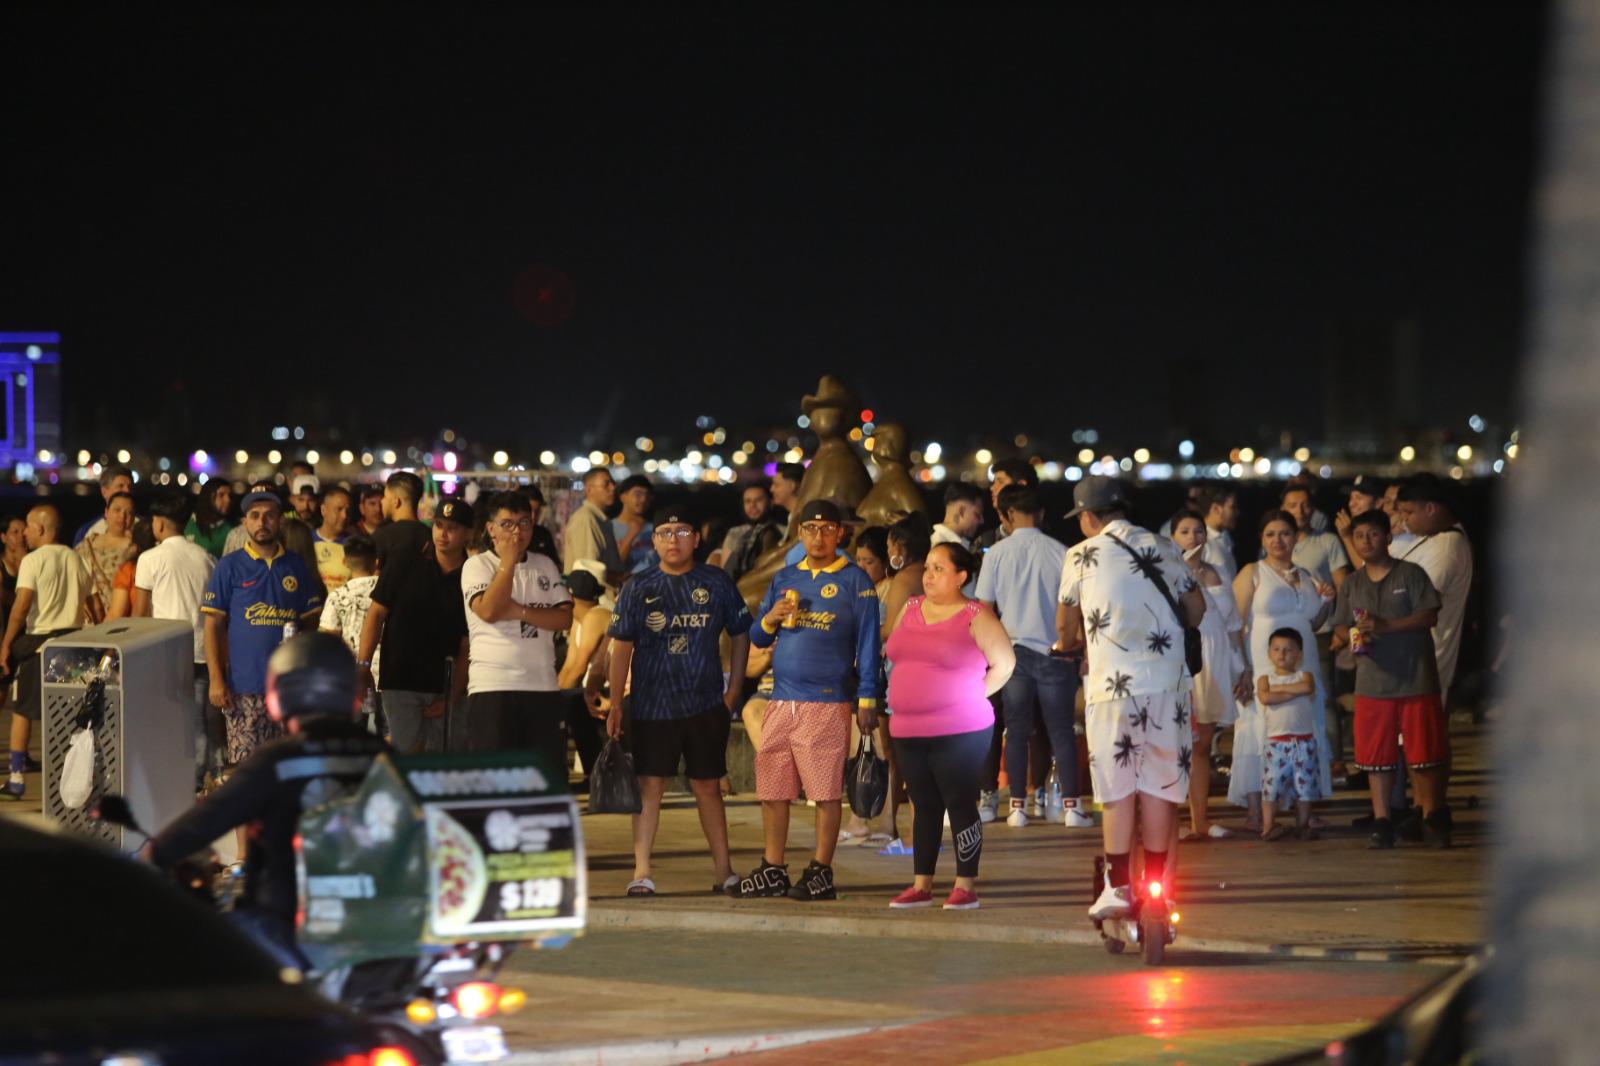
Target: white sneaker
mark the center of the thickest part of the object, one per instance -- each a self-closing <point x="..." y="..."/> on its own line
<point x="988" y="806"/>
<point x="1077" y="818"/>
<point x="1036" y="804"/>
<point x="1113" y="903"/>
<point x="1018" y="818"/>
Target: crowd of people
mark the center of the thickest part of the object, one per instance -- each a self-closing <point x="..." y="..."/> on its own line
<point x="1127" y="666"/>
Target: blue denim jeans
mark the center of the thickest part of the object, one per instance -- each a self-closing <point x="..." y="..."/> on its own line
<point x="1050" y="686"/>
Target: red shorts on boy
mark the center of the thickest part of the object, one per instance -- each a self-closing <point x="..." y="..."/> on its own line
<point x="1380" y="723"/>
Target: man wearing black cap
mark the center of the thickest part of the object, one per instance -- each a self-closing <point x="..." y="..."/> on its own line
<point x="252" y="595"/>
<point x="668" y="629"/>
<point x="821" y="616"/>
<point x="417" y="619"/>
<point x="1126" y="596"/>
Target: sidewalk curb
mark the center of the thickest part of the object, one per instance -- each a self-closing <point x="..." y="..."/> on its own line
<point x="682" y="1049"/>
<point x="634" y="916"/>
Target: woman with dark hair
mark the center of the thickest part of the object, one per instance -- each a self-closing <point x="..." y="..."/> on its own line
<point x="949" y="655"/>
<point x="908" y="542"/>
<point x="1225" y="681"/>
<point x="1274" y="594"/>
<point x="104" y="553"/>
<point x="210" y="525"/>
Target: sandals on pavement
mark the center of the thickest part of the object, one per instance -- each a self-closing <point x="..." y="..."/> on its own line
<point x="1277" y="832"/>
<point x="641" y="886"/>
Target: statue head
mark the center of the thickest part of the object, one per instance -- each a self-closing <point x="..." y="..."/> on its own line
<point x="889" y="444"/>
<point x="826" y="409"/>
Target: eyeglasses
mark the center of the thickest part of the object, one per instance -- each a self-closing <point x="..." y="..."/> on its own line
<point x="819" y="529"/>
<point x="668" y="534"/>
<point x="507" y="526"/>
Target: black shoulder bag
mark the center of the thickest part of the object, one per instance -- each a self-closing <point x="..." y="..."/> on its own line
<point x="1193" y="656"/>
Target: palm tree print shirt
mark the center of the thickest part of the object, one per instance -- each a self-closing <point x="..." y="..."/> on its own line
<point x="1135" y="642"/>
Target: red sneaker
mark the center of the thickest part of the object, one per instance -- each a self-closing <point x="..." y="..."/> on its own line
<point x="961" y="900"/>
<point x="910" y="898"/>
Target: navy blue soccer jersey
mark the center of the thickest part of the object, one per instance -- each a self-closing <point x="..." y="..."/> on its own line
<point x="675" y="623"/>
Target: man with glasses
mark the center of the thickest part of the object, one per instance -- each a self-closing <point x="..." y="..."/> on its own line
<point x="515" y="603"/>
<point x="821" y="617"/>
<point x="668" y="628"/>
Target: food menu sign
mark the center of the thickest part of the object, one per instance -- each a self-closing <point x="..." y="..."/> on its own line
<point x="508" y="865"/>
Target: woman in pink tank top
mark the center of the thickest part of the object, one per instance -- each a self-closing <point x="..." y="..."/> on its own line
<point x="949" y="656"/>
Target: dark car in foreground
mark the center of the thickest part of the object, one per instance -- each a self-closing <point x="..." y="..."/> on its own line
<point x="107" y="962"/>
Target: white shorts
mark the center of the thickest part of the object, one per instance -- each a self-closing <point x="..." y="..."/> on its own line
<point x="1141" y="744"/>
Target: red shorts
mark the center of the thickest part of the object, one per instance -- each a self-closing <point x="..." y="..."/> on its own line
<point x="1380" y="723"/>
<point x="803" y="745"/>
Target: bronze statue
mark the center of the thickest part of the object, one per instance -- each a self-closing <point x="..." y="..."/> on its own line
<point x="836" y="473"/>
<point x="895" y="495"/>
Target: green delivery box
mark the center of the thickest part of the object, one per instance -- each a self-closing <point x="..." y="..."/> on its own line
<point x="441" y="849"/>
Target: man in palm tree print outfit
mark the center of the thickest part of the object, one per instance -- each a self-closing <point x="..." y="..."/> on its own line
<point x="1137" y="691"/>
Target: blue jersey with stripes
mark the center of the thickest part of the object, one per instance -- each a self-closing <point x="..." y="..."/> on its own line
<point x="675" y="624"/>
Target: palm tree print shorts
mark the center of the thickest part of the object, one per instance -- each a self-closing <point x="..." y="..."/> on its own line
<point x="1141" y="744"/>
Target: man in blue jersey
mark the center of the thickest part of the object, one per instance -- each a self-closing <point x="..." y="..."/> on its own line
<point x="668" y="628"/>
<point x="821" y="615"/>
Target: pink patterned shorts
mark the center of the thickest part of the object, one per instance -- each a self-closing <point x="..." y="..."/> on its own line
<point x="803" y="745"/>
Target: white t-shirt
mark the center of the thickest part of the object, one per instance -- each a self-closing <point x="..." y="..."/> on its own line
<point x="512" y="656"/>
<point x="1135" y="640"/>
<point x="60" y="584"/>
<point x="346" y="614"/>
<point x="175" y="573"/>
<point x="1447" y="557"/>
<point x="943" y="534"/>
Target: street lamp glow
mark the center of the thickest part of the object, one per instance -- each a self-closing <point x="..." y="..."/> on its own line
<point x="367" y="458"/>
<point x="1247" y="455"/>
<point x="389" y="457"/>
<point x="933" y="452"/>
<point x="1407" y="454"/>
<point x="547" y="458"/>
<point x="1302" y="455"/>
<point x="1141" y="455"/>
<point x="597" y="458"/>
<point x="1476" y="423"/>
<point x="313" y="457"/>
<point x="1263" y="466"/>
<point x="644" y="444"/>
<point x="501" y="458"/>
<point x="580" y="465"/>
<point x="1186" y="449"/>
<point x="241" y="456"/>
<point x="123" y="455"/>
<point x="1464" y="453"/>
<point x="83" y="457"/>
<point x="984" y="456"/>
<point x="1086" y="456"/>
<point x="274" y="456"/>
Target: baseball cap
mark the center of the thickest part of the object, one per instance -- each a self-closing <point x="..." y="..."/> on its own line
<point x="1094" y="493"/>
<point x="821" y="511"/>
<point x="260" y="494"/>
<point x="672" y="514"/>
<point x="583" y="585"/>
<point x="1368" y="485"/>
<point x="305" y="483"/>
<point x="457" y="511"/>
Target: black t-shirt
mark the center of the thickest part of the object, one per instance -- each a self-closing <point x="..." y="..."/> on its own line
<point x="402" y="542"/>
<point x="426" y="622"/>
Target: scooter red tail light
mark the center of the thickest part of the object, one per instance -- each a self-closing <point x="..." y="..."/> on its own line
<point x="1154" y="889"/>
<point x="476" y="999"/>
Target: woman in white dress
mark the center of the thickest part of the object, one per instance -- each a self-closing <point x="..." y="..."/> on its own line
<point x="1225" y="678"/>
<point x="1273" y="594"/>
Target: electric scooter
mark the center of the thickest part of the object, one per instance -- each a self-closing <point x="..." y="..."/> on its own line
<point x="1150" y="925"/>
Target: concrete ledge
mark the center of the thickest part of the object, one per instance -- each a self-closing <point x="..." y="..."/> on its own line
<point x="649" y="915"/>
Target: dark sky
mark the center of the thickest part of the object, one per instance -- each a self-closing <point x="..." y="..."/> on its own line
<point x="994" y="219"/>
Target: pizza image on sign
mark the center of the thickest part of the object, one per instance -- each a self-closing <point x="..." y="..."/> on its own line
<point x="458" y="877"/>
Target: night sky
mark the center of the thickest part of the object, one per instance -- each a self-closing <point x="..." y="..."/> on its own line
<point x="994" y="219"/>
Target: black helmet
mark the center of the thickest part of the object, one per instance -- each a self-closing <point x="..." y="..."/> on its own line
<point x="313" y="673"/>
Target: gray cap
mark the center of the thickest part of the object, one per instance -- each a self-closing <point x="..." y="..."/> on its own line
<point x="1094" y="493"/>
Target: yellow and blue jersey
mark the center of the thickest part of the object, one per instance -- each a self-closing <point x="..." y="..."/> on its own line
<point x="831" y="653"/>
<point x="257" y="594"/>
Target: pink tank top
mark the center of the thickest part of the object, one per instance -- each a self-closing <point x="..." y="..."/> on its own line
<point x="936" y="684"/>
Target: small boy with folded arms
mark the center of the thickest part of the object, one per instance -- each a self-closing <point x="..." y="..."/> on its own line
<point x="1290" y="767"/>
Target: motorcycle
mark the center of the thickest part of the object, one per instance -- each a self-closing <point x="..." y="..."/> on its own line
<point x="417" y="888"/>
<point x="1150" y="924"/>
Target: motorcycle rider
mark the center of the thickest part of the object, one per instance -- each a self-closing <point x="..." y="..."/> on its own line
<point x="312" y="692"/>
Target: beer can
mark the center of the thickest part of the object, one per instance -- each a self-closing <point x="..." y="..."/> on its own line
<point x="793" y="596"/>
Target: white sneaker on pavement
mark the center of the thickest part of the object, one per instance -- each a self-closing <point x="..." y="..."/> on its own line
<point x="1113" y="903"/>
<point x="1077" y="818"/>
<point x="1018" y="818"/>
<point x="988" y="805"/>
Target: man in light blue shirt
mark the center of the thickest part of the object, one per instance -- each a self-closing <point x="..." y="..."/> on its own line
<point x="1019" y="579"/>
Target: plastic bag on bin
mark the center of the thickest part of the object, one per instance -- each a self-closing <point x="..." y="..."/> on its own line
<point x="866" y="780"/>
<point x="613" y="786"/>
<point x="77" y="772"/>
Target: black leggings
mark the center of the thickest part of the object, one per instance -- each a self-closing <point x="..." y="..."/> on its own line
<point x="941" y="773"/>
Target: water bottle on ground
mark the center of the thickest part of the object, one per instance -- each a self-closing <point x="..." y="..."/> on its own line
<point x="1054" y="807"/>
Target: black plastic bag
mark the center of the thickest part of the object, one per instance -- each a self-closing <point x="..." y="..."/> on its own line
<point x="866" y="779"/>
<point x="613" y="786"/>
